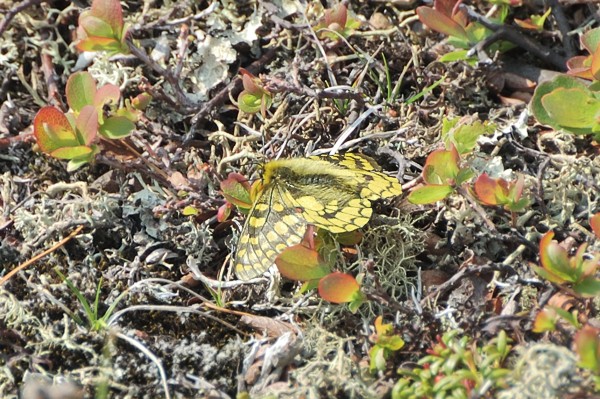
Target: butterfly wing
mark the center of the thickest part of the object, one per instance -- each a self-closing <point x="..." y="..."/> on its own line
<point x="343" y="202"/>
<point x="272" y="225"/>
<point x="367" y="175"/>
<point x="333" y="192"/>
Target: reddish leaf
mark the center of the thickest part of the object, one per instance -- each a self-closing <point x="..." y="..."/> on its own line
<point x="72" y="152"/>
<point x="595" y="224"/>
<point x="595" y="67"/>
<point x="236" y="190"/>
<point x="485" y="188"/>
<point x="580" y="66"/>
<point x="95" y="26"/>
<point x="587" y="346"/>
<point x="336" y="16"/>
<point x="441" y="167"/>
<point x="338" y="288"/>
<point x="107" y="94"/>
<point x="251" y="84"/>
<point x="545" y="320"/>
<point x="52" y="130"/>
<point x="223" y="212"/>
<point x="300" y="263"/>
<point x="97" y="43"/>
<point x="87" y="125"/>
<point x="111" y="12"/>
<point x="440" y="23"/>
<point x="445" y="7"/>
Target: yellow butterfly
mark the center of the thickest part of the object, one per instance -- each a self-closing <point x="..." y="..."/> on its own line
<point x="332" y="192"/>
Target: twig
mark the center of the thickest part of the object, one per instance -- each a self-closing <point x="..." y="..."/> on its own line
<point x="184" y="102"/>
<point x="563" y="27"/>
<point x="40" y="256"/>
<point x="176" y="309"/>
<point x="151" y="356"/>
<point x="234" y="86"/>
<point x="462" y="191"/>
<point x="182" y="46"/>
<point x="455" y="279"/>
<point x="515" y="36"/>
<point x="15" y="10"/>
<point x="51" y="78"/>
<point x="540" y="185"/>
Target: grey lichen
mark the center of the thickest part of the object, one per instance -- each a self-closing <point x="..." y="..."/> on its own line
<point x="545" y="371"/>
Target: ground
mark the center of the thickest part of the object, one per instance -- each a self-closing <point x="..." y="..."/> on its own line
<point x="126" y="289"/>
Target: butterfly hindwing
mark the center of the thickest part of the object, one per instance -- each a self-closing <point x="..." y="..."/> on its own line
<point x="272" y="225"/>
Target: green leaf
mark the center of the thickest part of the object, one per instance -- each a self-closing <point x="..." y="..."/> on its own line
<point x="588" y="287"/>
<point x="75" y="164"/>
<point x="591" y="40"/>
<point x="430" y="194"/>
<point x="252" y="103"/>
<point x="98" y="43"/>
<point x="116" y="127"/>
<point x="571" y="318"/>
<point x="141" y="101"/>
<point x="349" y="237"/>
<point x="464" y="136"/>
<point x="376" y="359"/>
<point x="80" y="90"/>
<point x="190" y="211"/>
<point x="458" y="55"/>
<point x="71" y="152"/>
<point x="464" y="175"/>
<point x="536" y="106"/>
<point x="582" y="110"/>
